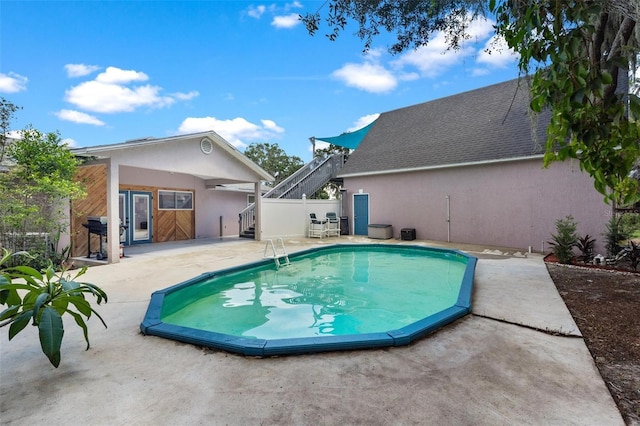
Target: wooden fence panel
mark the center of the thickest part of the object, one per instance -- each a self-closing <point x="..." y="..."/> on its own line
<point x="94" y="204"/>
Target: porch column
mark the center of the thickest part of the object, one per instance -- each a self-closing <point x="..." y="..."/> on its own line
<point x="113" y="215"/>
<point x="258" y="210"/>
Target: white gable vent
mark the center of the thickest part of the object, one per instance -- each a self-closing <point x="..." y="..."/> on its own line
<point x="206" y="146"/>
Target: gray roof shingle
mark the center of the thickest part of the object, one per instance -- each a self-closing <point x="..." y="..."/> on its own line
<point x="487" y="124"/>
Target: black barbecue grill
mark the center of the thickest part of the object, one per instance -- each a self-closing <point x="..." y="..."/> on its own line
<point x="97" y="225"/>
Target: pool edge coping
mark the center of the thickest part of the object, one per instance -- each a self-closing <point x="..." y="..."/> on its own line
<point x="153" y="325"/>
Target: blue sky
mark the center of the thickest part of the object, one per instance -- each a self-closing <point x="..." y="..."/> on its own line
<point x="103" y="72"/>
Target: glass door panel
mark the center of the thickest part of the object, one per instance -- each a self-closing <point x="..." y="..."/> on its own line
<point x="141" y="217"/>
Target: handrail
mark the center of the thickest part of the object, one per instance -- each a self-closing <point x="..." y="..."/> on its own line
<point x="306" y="180"/>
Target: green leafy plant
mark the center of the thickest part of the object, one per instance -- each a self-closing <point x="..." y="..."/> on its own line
<point x="565" y="239"/>
<point x="614" y="234"/>
<point x="585" y="245"/>
<point x="634" y="255"/>
<point x="42" y="299"/>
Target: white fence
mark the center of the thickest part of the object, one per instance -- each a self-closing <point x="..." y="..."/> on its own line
<point x="290" y="218"/>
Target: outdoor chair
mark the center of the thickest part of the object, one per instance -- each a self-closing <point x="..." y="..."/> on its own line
<point x="333" y="224"/>
<point x="317" y="227"/>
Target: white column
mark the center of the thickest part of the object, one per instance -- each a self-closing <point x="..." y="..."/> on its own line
<point x="113" y="216"/>
<point x="258" y="210"/>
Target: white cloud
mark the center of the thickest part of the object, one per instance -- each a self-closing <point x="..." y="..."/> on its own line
<point x="286" y="21"/>
<point x="12" y="82"/>
<point x="97" y="96"/>
<point x="115" y="90"/>
<point x="80" y="70"/>
<point x="71" y="143"/>
<point x="256" y="11"/>
<point x="272" y="126"/>
<point x="478" y="72"/>
<point x="368" y="76"/>
<point x="497" y="53"/>
<point x="186" y="96"/>
<point x="293" y="5"/>
<point x="78" y="117"/>
<point x="113" y="75"/>
<point x="239" y="132"/>
<point x="434" y="58"/>
<point x="14" y="134"/>
<point x="363" y="121"/>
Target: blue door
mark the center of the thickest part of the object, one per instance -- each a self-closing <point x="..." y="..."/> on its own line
<point x="361" y="214"/>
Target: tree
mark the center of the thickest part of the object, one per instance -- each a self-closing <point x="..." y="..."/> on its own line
<point x="578" y="53"/>
<point x="330" y="187"/>
<point x="331" y="150"/>
<point x="7" y="110"/>
<point x="33" y="192"/>
<point x="274" y="160"/>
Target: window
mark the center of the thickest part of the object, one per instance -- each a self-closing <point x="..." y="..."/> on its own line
<point x="175" y="200"/>
<point x="251" y="199"/>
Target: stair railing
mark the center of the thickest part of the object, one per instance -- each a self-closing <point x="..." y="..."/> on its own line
<point x="306" y="180"/>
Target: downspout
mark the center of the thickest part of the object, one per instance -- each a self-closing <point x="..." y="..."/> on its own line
<point x="448" y="218"/>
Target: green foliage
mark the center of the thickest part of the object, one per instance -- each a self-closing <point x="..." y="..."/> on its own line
<point x="41" y="299"/>
<point x="274" y="160"/>
<point x="7" y="110"/>
<point x="412" y="21"/>
<point x="35" y="191"/>
<point x="331" y="187"/>
<point x="577" y="52"/>
<point x="585" y="245"/>
<point x="614" y="235"/>
<point x="565" y="239"/>
<point x="634" y="255"/>
<point x="332" y="150"/>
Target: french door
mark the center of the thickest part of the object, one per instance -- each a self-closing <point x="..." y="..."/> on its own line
<point x="136" y="209"/>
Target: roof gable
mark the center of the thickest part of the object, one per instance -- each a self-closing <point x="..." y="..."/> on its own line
<point x="206" y="155"/>
<point x="493" y="123"/>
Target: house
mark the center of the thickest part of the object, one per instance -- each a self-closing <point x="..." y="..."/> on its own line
<point x="468" y="169"/>
<point x="164" y="189"/>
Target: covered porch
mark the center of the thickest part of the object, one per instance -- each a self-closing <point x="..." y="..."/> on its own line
<point x="158" y="190"/>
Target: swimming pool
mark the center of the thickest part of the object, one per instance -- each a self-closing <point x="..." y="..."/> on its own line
<point x="338" y="297"/>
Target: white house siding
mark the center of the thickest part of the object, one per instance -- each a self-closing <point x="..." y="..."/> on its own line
<point x="512" y="204"/>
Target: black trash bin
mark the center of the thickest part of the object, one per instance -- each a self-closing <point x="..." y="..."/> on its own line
<point x="344" y="225"/>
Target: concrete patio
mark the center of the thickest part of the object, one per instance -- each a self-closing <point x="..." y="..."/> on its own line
<point x="518" y="359"/>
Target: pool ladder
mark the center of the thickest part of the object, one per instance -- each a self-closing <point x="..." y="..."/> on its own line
<point x="274" y="253"/>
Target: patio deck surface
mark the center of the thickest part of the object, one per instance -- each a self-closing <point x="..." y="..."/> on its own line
<point x="517" y="359"/>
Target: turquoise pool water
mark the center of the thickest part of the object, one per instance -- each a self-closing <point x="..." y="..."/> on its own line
<point x="330" y="298"/>
<point x="336" y="293"/>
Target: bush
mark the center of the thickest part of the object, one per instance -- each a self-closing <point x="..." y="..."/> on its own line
<point x="565" y="239"/>
<point x="614" y="234"/>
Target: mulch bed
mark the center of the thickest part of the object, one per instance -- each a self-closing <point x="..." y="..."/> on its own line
<point x="605" y="304"/>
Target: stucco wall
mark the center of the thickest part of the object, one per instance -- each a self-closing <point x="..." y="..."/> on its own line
<point x="210" y="205"/>
<point x="508" y="204"/>
<point x="216" y="204"/>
